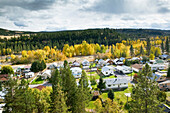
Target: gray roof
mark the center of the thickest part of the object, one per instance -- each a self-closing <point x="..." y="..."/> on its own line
<point x="116" y="81"/>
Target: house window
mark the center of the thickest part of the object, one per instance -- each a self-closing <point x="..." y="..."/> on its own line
<point x="113" y="85"/>
<point x="124" y="83"/>
<point x="106" y="72"/>
<point x="109" y="85"/>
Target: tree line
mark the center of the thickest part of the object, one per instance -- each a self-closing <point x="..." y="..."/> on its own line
<point x="101" y="36"/>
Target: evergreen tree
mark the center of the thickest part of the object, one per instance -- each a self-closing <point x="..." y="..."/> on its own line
<point x="111" y="94"/>
<point x="35" y="67"/>
<point x="162" y="46"/>
<point x="131" y="50"/>
<point x="167" y="45"/>
<point x="7" y="70"/>
<point x="144" y="96"/>
<point x="148" y="47"/>
<point x="168" y="73"/>
<point x="127" y="63"/>
<point x="24" y="101"/>
<point x="65" y="63"/>
<point x="10" y="87"/>
<point x="69" y="86"/>
<point x="42" y="65"/>
<point x="101" y="84"/>
<point x="84" y="91"/>
<point x="58" y="99"/>
<point x="42" y="100"/>
<point x="141" y="50"/>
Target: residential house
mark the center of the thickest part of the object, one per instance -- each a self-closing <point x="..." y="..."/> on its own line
<point x="152" y="61"/>
<point x="137" y="67"/>
<point x="118" y="61"/>
<point x="157" y="78"/>
<point x="101" y="62"/>
<point x="124" y="69"/>
<point x="159" y="61"/>
<point x="157" y="66"/>
<point x="29" y="75"/>
<point x="107" y="70"/>
<point x="4" y="77"/>
<point x="121" y="59"/>
<point x="27" y="68"/>
<point x="76" y="71"/>
<point x="85" y="63"/>
<point x="109" y="61"/>
<point x="116" y="83"/>
<point x="76" y="64"/>
<point x="164" y="56"/>
<point x="165" y="85"/>
<point x="53" y="66"/>
<point x="135" y="58"/>
<point x="46" y="74"/>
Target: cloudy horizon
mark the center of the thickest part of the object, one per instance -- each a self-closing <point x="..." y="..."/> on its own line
<point x="57" y="15"/>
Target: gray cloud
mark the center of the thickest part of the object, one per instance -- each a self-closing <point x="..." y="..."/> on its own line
<point x="164" y="10"/>
<point x="128" y="17"/>
<point x="28" y="4"/>
<point x="129" y="6"/>
<point x="107" y="6"/>
<point x="55" y="15"/>
<point x="20" y="24"/>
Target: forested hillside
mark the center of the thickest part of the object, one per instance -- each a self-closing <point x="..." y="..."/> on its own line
<point x="104" y="36"/>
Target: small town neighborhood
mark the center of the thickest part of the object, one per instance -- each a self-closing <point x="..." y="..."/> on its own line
<point x="116" y="75"/>
<point x="84" y="56"/>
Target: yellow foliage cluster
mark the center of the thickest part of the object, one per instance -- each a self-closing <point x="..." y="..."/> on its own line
<point x="81" y="49"/>
<point x="44" y="54"/>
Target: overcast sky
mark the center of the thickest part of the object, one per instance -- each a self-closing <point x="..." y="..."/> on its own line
<point x="56" y="15"/>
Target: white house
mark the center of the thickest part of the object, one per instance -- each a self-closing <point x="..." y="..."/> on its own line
<point x="118" y="61"/>
<point x="157" y="66"/>
<point x="135" y="58"/>
<point x="101" y="62"/>
<point x="76" y="71"/>
<point x="27" y="68"/>
<point x="52" y="66"/>
<point x="164" y="56"/>
<point x="76" y="64"/>
<point x="46" y="74"/>
<point x="107" y="70"/>
<point x="121" y="59"/>
<point x="124" y="69"/>
<point x="29" y="75"/>
<point x="116" y="83"/>
<point x="85" y="63"/>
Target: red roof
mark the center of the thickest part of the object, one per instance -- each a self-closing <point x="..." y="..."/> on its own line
<point x="3" y="79"/>
<point x="40" y="87"/>
<point x="4" y="75"/>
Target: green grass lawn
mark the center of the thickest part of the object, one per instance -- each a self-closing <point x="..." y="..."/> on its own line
<point x="113" y="76"/>
<point x="37" y="81"/>
<point x="93" y="65"/>
<point x="91" y="72"/>
<point x="118" y="95"/>
<point x="168" y="93"/>
<point x="96" y="76"/>
<point x="131" y="74"/>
